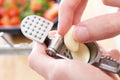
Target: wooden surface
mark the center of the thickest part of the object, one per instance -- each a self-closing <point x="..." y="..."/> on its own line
<point x="16" y="67"/>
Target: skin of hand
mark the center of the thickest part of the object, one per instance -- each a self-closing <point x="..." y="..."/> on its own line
<point x="60" y="69"/>
<point x="97" y="28"/>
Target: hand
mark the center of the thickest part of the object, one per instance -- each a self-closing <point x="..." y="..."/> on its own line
<point x="97" y="28"/>
<point x="60" y="69"/>
<point x="70" y="13"/>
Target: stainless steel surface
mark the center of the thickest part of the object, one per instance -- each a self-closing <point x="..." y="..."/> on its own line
<point x="18" y="49"/>
<point x="94" y="52"/>
<point x="63" y="57"/>
<point x="109" y="64"/>
<point x="36" y="28"/>
<point x="7" y="41"/>
<point x="55" y="45"/>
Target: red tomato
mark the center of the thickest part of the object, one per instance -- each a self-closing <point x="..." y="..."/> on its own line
<point x="1" y="12"/>
<point x="15" y="20"/>
<point x="51" y="13"/>
<point x="5" y="20"/>
<point x="12" y="11"/>
<point x="35" y="6"/>
<point x="10" y="1"/>
<point x="0" y="23"/>
<point x="23" y="2"/>
<point x="2" y="2"/>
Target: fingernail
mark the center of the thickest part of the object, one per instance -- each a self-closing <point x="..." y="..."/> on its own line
<point x="81" y="33"/>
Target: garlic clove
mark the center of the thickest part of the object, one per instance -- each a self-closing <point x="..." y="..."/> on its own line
<point x="82" y="54"/>
<point x="70" y="42"/>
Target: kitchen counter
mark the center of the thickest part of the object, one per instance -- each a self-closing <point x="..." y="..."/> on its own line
<point x="15" y="66"/>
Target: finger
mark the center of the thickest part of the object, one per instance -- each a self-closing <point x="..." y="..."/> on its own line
<point x="115" y="3"/>
<point x="48" y="67"/>
<point x="114" y="76"/>
<point x="98" y="28"/>
<point x="51" y="34"/>
<point x="118" y="9"/>
<point x="40" y="61"/>
<point x="87" y="69"/>
<point x="78" y="12"/>
<point x="115" y="54"/>
<point x="66" y="15"/>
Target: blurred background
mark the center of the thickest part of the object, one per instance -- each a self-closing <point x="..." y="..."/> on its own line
<point x="14" y="63"/>
<point x="13" y="11"/>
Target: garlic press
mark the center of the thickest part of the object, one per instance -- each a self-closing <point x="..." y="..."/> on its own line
<point x="37" y="29"/>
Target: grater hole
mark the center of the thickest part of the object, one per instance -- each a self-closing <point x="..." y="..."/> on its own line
<point x="28" y="18"/>
<point x="25" y="31"/>
<point x="41" y="24"/>
<point x="28" y="27"/>
<point x="68" y="56"/>
<point x="32" y="20"/>
<point x="44" y="30"/>
<point x="35" y="17"/>
<point x="35" y="36"/>
<point x="35" y="26"/>
<point x="36" y="22"/>
<point x="43" y="21"/>
<point x="33" y="30"/>
<point x="40" y="38"/>
<point x="23" y="25"/>
<point x="37" y="32"/>
<point x="30" y="24"/>
<point x="39" y="19"/>
<point x="42" y="34"/>
<point x="45" y="26"/>
<point x="65" y="53"/>
<point x="26" y="22"/>
<point x="48" y="23"/>
<point x="30" y="33"/>
<point x="39" y="28"/>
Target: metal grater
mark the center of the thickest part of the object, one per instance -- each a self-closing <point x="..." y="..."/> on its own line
<point x="37" y="28"/>
<point x="109" y="64"/>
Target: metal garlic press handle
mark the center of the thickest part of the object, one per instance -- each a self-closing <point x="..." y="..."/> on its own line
<point x="37" y="29"/>
<point x="57" y="46"/>
<point x="109" y="64"/>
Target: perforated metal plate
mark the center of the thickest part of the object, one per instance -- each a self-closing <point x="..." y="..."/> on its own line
<point x="36" y="28"/>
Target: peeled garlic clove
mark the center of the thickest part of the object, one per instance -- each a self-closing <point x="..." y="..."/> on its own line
<point x="69" y="41"/>
<point x="82" y="54"/>
<point x="78" y="50"/>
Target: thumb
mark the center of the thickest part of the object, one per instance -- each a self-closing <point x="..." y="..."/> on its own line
<point x="98" y="28"/>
